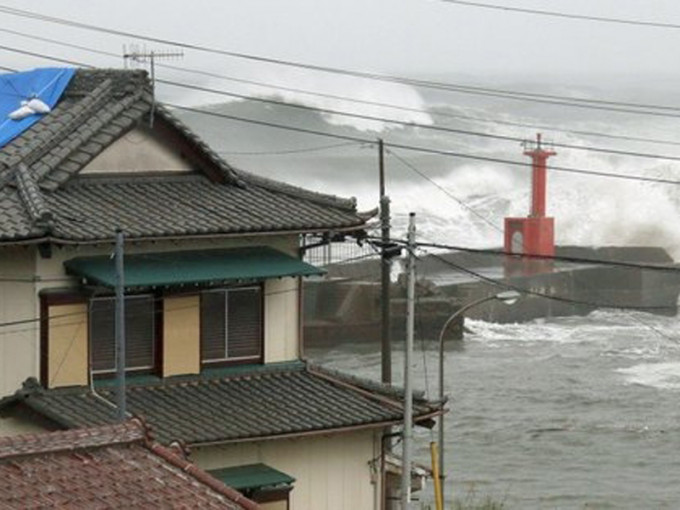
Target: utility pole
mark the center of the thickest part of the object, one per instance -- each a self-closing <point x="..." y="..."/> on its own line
<point x="120" y="326"/>
<point x="408" y="351"/>
<point x="385" y="269"/>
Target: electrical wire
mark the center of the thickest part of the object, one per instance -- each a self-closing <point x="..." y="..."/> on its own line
<point x="559" y="258"/>
<point x="415" y="148"/>
<point x="552" y="297"/>
<point x="288" y="151"/>
<point x="411" y="166"/>
<point x="578" y="102"/>
<point x="159" y="299"/>
<point x="556" y="14"/>
<point x="356" y="100"/>
<point x="409" y="124"/>
<point x="363" y="116"/>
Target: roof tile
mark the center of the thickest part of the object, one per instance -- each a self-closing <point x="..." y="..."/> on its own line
<point x="247" y="404"/>
<point x="99" y="106"/>
<point x="113" y="466"/>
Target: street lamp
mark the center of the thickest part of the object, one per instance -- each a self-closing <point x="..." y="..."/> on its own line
<point x="509" y="297"/>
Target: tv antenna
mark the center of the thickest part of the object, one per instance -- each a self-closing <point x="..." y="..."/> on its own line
<point x="143" y="56"/>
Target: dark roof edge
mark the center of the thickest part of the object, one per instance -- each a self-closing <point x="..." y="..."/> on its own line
<point x="131" y="431"/>
<point x="420" y="419"/>
<point x="396" y="393"/>
<point x="347" y="204"/>
<point x="177" y="237"/>
<point x="201" y="476"/>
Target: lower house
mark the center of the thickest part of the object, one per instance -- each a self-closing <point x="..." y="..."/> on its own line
<point x="289" y="435"/>
<point x="106" y="467"/>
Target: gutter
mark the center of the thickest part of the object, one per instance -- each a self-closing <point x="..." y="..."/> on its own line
<point x="320" y="432"/>
<point x="179" y="237"/>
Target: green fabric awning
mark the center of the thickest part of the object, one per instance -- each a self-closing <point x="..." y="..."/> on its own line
<point x="194" y="267"/>
<point x="252" y="476"/>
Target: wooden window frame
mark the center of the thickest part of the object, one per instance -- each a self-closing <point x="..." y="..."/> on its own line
<point x="55" y="297"/>
<point x="258" y="359"/>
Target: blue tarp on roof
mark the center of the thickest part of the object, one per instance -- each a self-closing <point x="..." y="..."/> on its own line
<point x="46" y="84"/>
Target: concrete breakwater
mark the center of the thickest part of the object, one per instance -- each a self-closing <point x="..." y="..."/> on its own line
<point x="345" y="307"/>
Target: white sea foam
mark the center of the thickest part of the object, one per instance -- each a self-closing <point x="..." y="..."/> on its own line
<point x="535" y="331"/>
<point x="370" y="94"/>
<point x="656" y="375"/>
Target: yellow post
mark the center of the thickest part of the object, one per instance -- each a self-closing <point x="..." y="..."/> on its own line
<point x="438" y="494"/>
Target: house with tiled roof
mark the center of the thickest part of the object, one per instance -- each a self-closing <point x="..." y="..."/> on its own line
<point x="107" y="467"/>
<point x="213" y="295"/>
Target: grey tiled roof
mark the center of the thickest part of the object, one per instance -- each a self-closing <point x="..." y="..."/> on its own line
<point x="250" y="403"/>
<point x="42" y="195"/>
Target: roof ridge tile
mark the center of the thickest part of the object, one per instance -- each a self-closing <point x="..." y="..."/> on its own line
<point x="33" y="199"/>
<point x="130" y="431"/>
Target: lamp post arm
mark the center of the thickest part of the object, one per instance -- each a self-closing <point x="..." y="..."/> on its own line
<point x="459" y="312"/>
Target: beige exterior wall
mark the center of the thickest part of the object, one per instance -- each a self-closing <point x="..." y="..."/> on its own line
<point x="19" y="345"/>
<point x="14" y="426"/>
<point x="181" y="336"/>
<point x="332" y="472"/>
<point x="67" y="345"/>
<point x="281" y="320"/>
<point x="276" y="505"/>
<point x="138" y="151"/>
<point x="281" y="313"/>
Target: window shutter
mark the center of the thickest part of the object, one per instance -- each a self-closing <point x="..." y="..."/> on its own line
<point x="213" y="326"/>
<point x="139" y="333"/>
<point x="102" y="335"/>
<point x="244" y="323"/>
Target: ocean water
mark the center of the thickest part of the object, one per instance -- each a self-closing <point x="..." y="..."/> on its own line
<point x="557" y="413"/>
<point x="563" y="413"/>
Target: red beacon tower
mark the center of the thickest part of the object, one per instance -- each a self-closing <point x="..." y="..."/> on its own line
<point x="533" y="235"/>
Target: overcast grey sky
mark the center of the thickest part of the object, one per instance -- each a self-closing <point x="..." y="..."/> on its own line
<point x="412" y="37"/>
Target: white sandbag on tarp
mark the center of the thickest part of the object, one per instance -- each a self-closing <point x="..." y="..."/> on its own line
<point x="27" y="96"/>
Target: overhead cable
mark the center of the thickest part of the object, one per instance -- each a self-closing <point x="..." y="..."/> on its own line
<point x="557" y="14"/>
<point x="380" y="104"/>
<point x="595" y="103"/>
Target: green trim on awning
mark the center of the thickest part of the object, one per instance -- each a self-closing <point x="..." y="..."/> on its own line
<point x="194" y="267"/>
<point x="251" y="476"/>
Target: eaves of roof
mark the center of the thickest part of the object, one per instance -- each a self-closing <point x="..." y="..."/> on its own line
<point x="247" y="404"/>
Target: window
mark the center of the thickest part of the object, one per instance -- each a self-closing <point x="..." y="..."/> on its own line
<point x="139" y="333"/>
<point x="231" y="324"/>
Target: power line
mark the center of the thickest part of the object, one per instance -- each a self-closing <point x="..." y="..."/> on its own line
<point x="553" y="297"/>
<point x="289" y="151"/>
<point x="424" y="150"/>
<point x="603" y="104"/>
<point x="353" y="100"/>
<point x="559" y="258"/>
<point x="410" y="124"/>
<point x="380" y="119"/>
<point x="396" y="145"/>
<point x="411" y="166"/>
<point x="350" y="114"/>
<point x="372" y="118"/>
<point x="159" y="299"/>
<point x="556" y="14"/>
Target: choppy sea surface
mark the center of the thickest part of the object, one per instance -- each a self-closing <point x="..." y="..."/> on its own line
<point x="559" y="413"/>
<point x="563" y="413"/>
